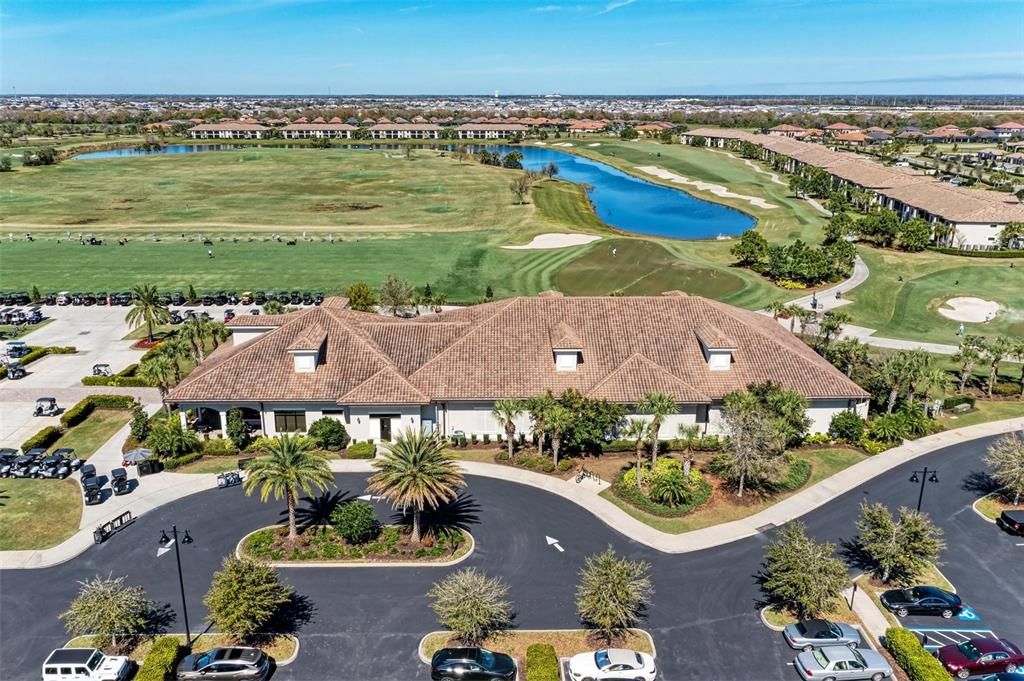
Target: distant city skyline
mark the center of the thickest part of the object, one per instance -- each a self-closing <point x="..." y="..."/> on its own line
<point x="451" y="47"/>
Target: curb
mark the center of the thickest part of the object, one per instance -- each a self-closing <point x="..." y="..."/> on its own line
<point x="354" y="563"/>
<point x="765" y="621"/>
<point x="277" y="663"/>
<point x="426" y="660"/>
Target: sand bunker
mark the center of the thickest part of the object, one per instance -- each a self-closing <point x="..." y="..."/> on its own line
<point x="967" y="309"/>
<point x="716" y="189"/>
<point x="549" y="241"/>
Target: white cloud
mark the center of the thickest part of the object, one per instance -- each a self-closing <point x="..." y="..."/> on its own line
<point x="618" y="4"/>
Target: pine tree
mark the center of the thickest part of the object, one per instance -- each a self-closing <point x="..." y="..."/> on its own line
<point x="244" y="596"/>
<point x="801" y="575"/>
<point x="900" y="548"/>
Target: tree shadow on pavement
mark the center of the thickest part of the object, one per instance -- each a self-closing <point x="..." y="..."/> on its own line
<point x="980" y="482"/>
<point x="313" y="511"/>
<point x="454" y="516"/>
<point x="288" y="619"/>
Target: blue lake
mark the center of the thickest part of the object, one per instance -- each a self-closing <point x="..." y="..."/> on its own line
<point x="625" y="202"/>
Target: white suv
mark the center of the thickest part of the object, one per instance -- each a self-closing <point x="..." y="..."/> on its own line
<point x="84" y="664"/>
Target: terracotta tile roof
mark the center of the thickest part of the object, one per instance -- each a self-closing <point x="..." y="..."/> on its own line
<point x="404" y="126"/>
<point x="320" y="126"/>
<point x="714" y="338"/>
<point x="851" y="137"/>
<point x="785" y="127"/>
<point x="229" y="125"/>
<point x="841" y="126"/>
<point x="1009" y="125"/>
<point x="629" y="345"/>
<point x="273" y="320"/>
<point x="497" y="126"/>
<point x="312" y="339"/>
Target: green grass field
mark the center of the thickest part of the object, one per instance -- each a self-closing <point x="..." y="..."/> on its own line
<point x="89" y="435"/>
<point x="38" y="514"/>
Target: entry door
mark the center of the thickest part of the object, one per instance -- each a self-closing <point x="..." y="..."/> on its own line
<point x="385" y="428"/>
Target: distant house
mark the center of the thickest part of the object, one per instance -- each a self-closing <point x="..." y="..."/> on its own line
<point x="841" y="128"/>
<point x="1008" y="130"/>
<point x="878" y="136"/>
<point x="786" y="130"/>
<point x="990" y="154"/>
<point x="407" y="131"/>
<point x="585" y="126"/>
<point x="229" y="130"/>
<point x="490" y="131"/>
<point x="332" y="130"/>
<point x="855" y="138"/>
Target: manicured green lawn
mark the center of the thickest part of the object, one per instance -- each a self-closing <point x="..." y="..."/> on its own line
<point x="93" y="432"/>
<point x="38" y="514"/>
<point x="985" y="411"/>
<point x="908" y="308"/>
<point x="725" y="506"/>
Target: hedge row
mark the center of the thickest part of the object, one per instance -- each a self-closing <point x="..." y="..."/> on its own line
<point x="711" y="443"/>
<point x="178" y="461"/>
<point x="44" y="438"/>
<point x="161" y="660"/>
<point x="126" y="378"/>
<point x="957" y="400"/>
<point x="636" y="498"/>
<point x="542" y="663"/>
<point x="360" y="450"/>
<point x="79" y="412"/>
<point x="918" y="663"/>
<point x="35" y="353"/>
<point x="978" y="254"/>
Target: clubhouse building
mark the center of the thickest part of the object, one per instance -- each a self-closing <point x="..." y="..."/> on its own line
<point x="443" y="372"/>
<point x="975" y="217"/>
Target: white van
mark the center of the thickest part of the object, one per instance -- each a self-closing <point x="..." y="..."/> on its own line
<point x="85" y="664"/>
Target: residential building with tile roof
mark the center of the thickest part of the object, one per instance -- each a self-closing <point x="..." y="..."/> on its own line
<point x="444" y="371"/>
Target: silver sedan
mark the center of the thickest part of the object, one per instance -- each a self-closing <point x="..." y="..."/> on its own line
<point x="841" y="663"/>
<point x="812" y="634"/>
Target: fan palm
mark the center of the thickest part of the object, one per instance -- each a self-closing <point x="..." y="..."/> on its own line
<point x="160" y="370"/>
<point x="658" y="405"/>
<point x="416" y="472"/>
<point x="147" y="309"/>
<point x="636" y="430"/>
<point x="506" y="412"/>
<point x="967" y="355"/>
<point x="996" y="351"/>
<point x="288" y="469"/>
<point x="196" y="330"/>
<point x="689" y="435"/>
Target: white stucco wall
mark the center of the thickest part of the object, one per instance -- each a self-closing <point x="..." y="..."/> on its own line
<point x="974" y="235"/>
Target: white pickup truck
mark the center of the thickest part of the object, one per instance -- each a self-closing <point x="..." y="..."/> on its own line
<point x="85" y="664"/>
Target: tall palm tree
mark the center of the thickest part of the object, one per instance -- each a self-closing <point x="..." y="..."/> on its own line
<point x="416" y="472"/>
<point x="558" y="421"/>
<point x="967" y="355"/>
<point x="776" y="307"/>
<point x="147" y="309"/>
<point x="996" y="351"/>
<point x="160" y="370"/>
<point x="896" y="371"/>
<point x="288" y="469"/>
<point x="636" y="430"/>
<point x="794" y="312"/>
<point x="196" y="330"/>
<point x="506" y="412"/>
<point x="539" y="406"/>
<point x="658" y="405"/>
<point x="689" y="435"/>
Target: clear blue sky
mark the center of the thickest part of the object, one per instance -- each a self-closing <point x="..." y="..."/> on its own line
<point x="514" y="46"/>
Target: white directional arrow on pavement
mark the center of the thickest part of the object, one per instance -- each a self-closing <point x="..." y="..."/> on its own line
<point x="369" y="497"/>
<point x="164" y="549"/>
<point x="554" y="542"/>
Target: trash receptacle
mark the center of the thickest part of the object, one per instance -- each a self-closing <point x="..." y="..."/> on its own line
<point x="98" y="536"/>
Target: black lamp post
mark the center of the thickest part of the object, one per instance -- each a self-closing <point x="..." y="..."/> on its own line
<point x="927" y="475"/>
<point x="186" y="539"/>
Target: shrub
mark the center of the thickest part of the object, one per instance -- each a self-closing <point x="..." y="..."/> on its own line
<point x="797" y="474"/>
<point x="244" y="596"/>
<point x="44" y="438"/>
<point x="487" y="438"/>
<point x="179" y="461"/>
<point x="978" y="254"/>
<point x="361" y="450"/>
<point x="565" y="464"/>
<point x="355" y="522"/>
<point x="699" y="494"/>
<point x="117" y="381"/>
<point x="889" y="428"/>
<point x="160" y="661"/>
<point x="237" y="429"/>
<point x="84" y="407"/>
<point x="846" y="426"/>
<point x="77" y="413"/>
<point x="219" y="446"/>
<point x="918" y="663"/>
<point x="618" y="446"/>
<point x="473" y="437"/>
<point x="541" y="663"/>
<point x="957" y="400"/>
<point x="140" y="423"/>
<point x="329" y="433"/>
<point x="818" y="439"/>
<point x="1006" y="390"/>
<point x="873" y="447"/>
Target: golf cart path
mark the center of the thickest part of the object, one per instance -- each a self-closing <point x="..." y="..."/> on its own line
<point x="165" y="487"/>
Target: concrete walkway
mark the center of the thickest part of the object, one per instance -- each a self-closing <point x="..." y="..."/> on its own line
<point x="162" y="488"/>
<point x="827" y="299"/>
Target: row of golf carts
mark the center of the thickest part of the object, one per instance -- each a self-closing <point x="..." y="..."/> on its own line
<point x="59" y="464"/>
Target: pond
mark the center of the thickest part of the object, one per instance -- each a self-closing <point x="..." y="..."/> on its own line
<point x="620" y="200"/>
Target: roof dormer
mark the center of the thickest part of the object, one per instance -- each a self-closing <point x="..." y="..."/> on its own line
<point x="717" y="347"/>
<point x="566" y="346"/>
<point x="306" y="350"/>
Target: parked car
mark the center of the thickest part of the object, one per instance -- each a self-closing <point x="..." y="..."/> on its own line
<point x="85" y="664"/>
<point x="820" y="633"/>
<point x="471" y="664"/>
<point x="225" y="663"/>
<point x="612" y="663"/>
<point x="46" y="406"/>
<point x="842" y="664"/>
<point x="229" y="314"/>
<point x="981" y="656"/>
<point x="1012" y="522"/>
<point x="102" y="370"/>
<point x="922" y="600"/>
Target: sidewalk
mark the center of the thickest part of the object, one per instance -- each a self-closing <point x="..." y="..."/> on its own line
<point x="166" y="487"/>
<point x="827" y="299"/>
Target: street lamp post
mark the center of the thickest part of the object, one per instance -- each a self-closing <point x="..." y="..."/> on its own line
<point x="173" y="539"/>
<point x="923" y="477"/>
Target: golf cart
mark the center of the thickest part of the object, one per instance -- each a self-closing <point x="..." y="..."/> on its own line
<point x="54" y="466"/>
<point x="119" y="481"/>
<point x="88" y="298"/>
<point x="101" y="370"/>
<point x="87" y="471"/>
<point x="220" y="298"/>
<point x="177" y="298"/>
<point x="232" y="298"/>
<point x="35" y="316"/>
<point x="246" y="298"/>
<point x="15" y="370"/>
<point x="92" y="490"/>
<point x="175" y="317"/>
<point x="318" y="298"/>
<point x="307" y="298"/>
<point x="46" y="406"/>
<point x="25" y="466"/>
<point x="63" y="298"/>
<point x="229" y="479"/>
<point x="296" y="298"/>
<point x="102" y="298"/>
<point x="7" y="457"/>
<point x="259" y="298"/>
<point x="51" y="298"/>
<point x="16" y="348"/>
<point x="68" y="453"/>
<point x="229" y="314"/>
<point x="255" y="311"/>
<point x="208" y="298"/>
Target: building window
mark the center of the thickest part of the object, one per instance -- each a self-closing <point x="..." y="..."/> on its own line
<point x="290" y="421"/>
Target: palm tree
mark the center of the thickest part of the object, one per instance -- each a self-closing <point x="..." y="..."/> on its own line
<point x="196" y="330"/>
<point x="539" y="406"/>
<point x="896" y="371"/>
<point x="147" y="309"/>
<point x="968" y="354"/>
<point x="931" y="379"/>
<point x="1018" y="351"/>
<point x="658" y="405"/>
<point x="160" y="370"/>
<point x="636" y="430"/>
<point x="995" y="352"/>
<point x="558" y="421"/>
<point x="416" y="472"/>
<point x="794" y="312"/>
<point x="288" y="469"/>
<point x="506" y="412"/>
<point x="776" y="307"/>
<point x="689" y="435"/>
